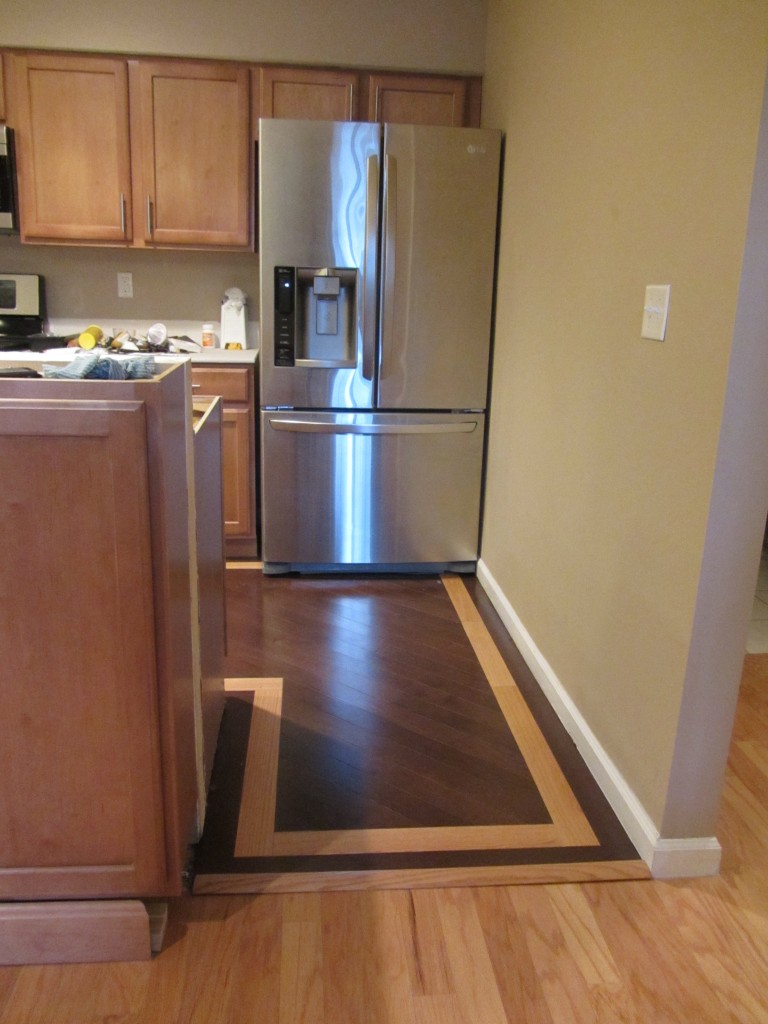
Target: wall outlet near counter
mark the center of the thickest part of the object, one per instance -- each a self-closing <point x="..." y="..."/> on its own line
<point x="125" y="286"/>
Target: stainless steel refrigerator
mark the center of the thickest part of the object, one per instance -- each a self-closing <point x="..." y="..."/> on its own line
<point x="377" y="248"/>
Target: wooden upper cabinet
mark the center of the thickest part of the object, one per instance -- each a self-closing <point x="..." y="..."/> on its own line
<point x="145" y="152"/>
<point x="417" y="99"/>
<point x="192" y="165"/>
<point x="314" y="94"/>
<point x="70" y="115"/>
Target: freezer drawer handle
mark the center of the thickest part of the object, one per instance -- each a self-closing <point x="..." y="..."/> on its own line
<point x="312" y="427"/>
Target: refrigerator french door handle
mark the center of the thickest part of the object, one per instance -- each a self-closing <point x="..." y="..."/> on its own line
<point x="369" y="267"/>
<point x="313" y="427"/>
<point x="388" y="256"/>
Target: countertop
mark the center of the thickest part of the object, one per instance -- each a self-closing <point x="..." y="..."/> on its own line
<point x="64" y="328"/>
<point x="211" y="356"/>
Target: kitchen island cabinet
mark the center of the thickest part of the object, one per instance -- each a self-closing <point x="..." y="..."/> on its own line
<point x="102" y="791"/>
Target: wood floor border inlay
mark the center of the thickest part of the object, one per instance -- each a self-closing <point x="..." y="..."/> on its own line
<point x="256" y="836"/>
<point x="434" y="878"/>
<point x="256" y="823"/>
<point x="563" y="807"/>
<point x="412" y="840"/>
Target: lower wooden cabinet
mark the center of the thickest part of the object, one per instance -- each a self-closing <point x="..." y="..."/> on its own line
<point x="99" y="793"/>
<point x="235" y="385"/>
<point x="82" y="798"/>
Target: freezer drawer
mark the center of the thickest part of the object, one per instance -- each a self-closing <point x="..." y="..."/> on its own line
<point x="370" y="490"/>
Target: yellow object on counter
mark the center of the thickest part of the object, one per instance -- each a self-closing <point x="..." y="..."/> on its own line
<point x="234" y="345"/>
<point x="92" y="336"/>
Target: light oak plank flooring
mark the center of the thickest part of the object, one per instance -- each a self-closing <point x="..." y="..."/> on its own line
<point x="598" y="953"/>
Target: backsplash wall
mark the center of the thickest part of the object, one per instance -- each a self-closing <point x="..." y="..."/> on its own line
<point x="81" y="281"/>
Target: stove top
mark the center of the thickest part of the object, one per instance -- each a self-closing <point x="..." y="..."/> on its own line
<point x="31" y="342"/>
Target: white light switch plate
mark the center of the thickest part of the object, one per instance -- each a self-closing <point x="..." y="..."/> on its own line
<point x="655" y="312"/>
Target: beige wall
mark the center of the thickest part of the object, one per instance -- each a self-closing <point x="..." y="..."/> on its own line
<point x="430" y="35"/>
<point x="81" y="282"/>
<point x="630" y="145"/>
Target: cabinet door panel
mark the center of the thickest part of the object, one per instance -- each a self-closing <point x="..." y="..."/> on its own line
<point x="307" y="93"/>
<point x="413" y="99"/>
<point x="238" y="473"/>
<point x="71" y="120"/>
<point x="192" y="123"/>
<point x="232" y="383"/>
<point x="235" y="386"/>
<point x="80" y="796"/>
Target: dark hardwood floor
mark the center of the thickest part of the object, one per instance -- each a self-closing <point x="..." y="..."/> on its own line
<point x="368" y="737"/>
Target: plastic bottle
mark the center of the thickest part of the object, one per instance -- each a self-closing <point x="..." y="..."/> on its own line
<point x="208" y="337"/>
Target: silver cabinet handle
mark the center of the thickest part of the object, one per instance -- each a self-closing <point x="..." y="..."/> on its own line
<point x="149" y="217"/>
<point x="122" y="213"/>
<point x="369" y="267"/>
<point x="312" y="427"/>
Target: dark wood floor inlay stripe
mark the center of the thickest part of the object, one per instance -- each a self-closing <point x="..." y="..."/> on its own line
<point x="385" y="733"/>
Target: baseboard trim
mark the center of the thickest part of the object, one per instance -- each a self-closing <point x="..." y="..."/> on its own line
<point x="77" y="931"/>
<point x="667" y="858"/>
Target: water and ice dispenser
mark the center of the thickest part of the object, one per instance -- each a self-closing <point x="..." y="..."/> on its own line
<point x="315" y="316"/>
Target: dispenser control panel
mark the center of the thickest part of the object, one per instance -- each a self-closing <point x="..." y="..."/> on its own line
<point x="315" y="317"/>
<point x="285" y="314"/>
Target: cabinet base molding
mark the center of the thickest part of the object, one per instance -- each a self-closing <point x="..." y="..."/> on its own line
<point x="241" y="547"/>
<point x="86" y="931"/>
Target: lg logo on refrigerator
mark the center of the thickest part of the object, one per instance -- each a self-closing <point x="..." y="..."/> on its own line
<point x="476" y="149"/>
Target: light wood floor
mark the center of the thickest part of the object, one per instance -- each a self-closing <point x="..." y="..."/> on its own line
<point x="691" y="952"/>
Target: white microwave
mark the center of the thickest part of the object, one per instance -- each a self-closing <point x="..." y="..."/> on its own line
<point x="21" y="295"/>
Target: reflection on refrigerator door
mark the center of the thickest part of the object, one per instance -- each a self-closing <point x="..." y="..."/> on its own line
<point x="369" y="490"/>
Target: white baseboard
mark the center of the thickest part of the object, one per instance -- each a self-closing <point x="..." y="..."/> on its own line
<point x="667" y="858"/>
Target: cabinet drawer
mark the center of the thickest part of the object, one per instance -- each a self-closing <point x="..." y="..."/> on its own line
<point x="233" y="384"/>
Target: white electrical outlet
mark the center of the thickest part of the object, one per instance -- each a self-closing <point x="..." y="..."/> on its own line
<point x="655" y="312"/>
<point x="125" y="286"/>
